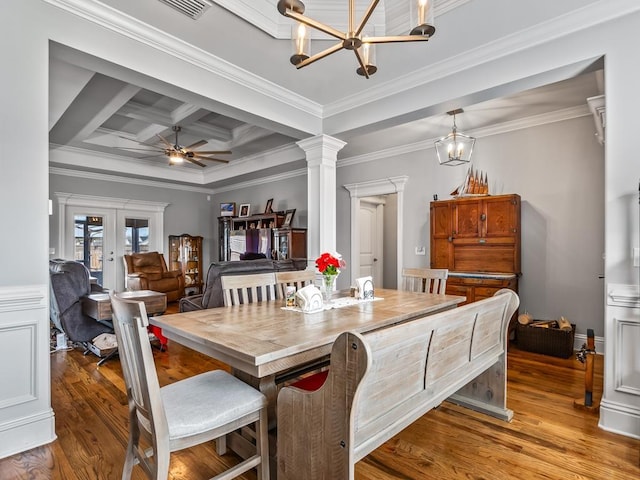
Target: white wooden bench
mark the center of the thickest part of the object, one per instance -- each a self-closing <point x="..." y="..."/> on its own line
<point x="381" y="382"/>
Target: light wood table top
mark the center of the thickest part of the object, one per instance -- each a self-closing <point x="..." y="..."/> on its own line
<point x="262" y="339"/>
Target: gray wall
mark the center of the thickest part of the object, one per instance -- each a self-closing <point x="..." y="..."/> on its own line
<point x="558" y="169"/>
<point x="390" y="262"/>
<point x="187" y="212"/>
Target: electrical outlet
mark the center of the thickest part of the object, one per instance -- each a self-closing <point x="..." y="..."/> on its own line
<point x="420" y="250"/>
<point x="636" y="257"/>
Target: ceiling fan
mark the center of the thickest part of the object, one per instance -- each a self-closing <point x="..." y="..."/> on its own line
<point x="178" y="154"/>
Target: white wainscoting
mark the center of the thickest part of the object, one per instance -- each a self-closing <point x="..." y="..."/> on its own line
<point x="620" y="406"/>
<point x="26" y="417"/>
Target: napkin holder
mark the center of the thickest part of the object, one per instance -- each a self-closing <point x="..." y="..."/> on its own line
<point x="364" y="288"/>
<point x="309" y="299"/>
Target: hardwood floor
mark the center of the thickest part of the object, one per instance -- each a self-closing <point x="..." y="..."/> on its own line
<point x="547" y="439"/>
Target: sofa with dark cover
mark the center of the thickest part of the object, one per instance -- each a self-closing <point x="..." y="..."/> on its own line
<point x="211" y="296"/>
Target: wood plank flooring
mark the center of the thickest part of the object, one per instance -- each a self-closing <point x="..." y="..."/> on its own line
<point x="547" y="439"/>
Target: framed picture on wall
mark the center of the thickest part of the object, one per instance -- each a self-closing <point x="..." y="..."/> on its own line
<point x="227" y="209"/>
<point x="267" y="209"/>
<point x="245" y="208"/>
<point x="288" y="217"/>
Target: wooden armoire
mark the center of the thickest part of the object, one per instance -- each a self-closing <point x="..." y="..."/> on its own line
<point x="478" y="239"/>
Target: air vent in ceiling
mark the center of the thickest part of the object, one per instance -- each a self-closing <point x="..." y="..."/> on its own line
<point x="191" y="8"/>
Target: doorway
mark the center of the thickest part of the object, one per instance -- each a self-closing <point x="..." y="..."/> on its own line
<point x="391" y="188"/>
<point x="98" y="231"/>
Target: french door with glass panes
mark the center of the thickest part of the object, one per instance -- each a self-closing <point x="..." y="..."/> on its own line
<point x="98" y="231"/>
<point x="93" y="242"/>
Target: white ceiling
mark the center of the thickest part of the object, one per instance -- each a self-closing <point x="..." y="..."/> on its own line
<point x="99" y="115"/>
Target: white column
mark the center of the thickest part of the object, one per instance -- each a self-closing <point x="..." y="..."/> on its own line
<point x="322" y="155"/>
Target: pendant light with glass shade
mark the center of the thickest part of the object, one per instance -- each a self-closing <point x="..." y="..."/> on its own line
<point x="456" y="148"/>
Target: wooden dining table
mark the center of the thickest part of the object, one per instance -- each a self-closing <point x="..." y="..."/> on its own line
<point x="263" y="342"/>
<point x="266" y="343"/>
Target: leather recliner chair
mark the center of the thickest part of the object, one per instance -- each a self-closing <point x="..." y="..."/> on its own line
<point x="148" y="271"/>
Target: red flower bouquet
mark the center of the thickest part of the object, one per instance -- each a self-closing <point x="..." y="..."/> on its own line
<point x="330" y="264"/>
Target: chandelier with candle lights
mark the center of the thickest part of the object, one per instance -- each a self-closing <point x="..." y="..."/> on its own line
<point x="455" y="148"/>
<point x="421" y="14"/>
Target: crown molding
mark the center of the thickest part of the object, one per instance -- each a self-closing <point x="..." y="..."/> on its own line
<point x="85" y="158"/>
<point x="109" y="202"/>
<point x="150" y="183"/>
<point x="105" y="177"/>
<point x="262" y="180"/>
<point x="376" y="187"/>
<point x="259" y="161"/>
<point x="123" y="24"/>
<point x="581" y="19"/>
<point x="506" y="127"/>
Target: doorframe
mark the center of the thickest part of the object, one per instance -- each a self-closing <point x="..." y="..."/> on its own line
<point x="384" y="186"/>
<point x="121" y="208"/>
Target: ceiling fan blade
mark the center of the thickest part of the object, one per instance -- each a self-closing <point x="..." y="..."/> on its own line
<point x="190" y="159"/>
<point x="196" y="145"/>
<point x="165" y="141"/>
<point x="201" y="157"/>
<point x="141" y="149"/>
<point x="213" y="152"/>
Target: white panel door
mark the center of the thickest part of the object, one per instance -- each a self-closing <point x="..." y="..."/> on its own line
<point x="370" y="240"/>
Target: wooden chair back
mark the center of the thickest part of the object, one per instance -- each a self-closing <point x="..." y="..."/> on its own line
<point x="186" y="413"/>
<point x="296" y="278"/>
<point x="425" y="280"/>
<point x="240" y="289"/>
<point x="143" y="390"/>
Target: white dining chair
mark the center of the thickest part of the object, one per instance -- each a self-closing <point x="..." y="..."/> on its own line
<point x="240" y="289"/>
<point x="425" y="280"/>
<point x="295" y="278"/>
<point x="185" y="413"/>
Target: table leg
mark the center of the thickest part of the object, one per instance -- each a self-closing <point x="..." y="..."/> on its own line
<point x="266" y="385"/>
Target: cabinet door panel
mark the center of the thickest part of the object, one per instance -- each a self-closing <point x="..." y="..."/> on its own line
<point x="466" y="219"/>
<point x="500" y="217"/>
<point x="440" y="246"/>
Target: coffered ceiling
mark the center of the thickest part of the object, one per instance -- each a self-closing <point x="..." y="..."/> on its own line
<point x="104" y="118"/>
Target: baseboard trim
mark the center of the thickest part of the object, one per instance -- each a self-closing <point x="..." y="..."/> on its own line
<point x="580" y="339"/>
<point x="26" y="433"/>
<point x="620" y="419"/>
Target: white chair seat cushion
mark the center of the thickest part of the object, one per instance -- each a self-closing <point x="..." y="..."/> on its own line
<point x="207" y="401"/>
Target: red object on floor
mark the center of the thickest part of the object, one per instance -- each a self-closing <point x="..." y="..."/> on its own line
<point x="157" y="331"/>
<point x="312" y="382"/>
